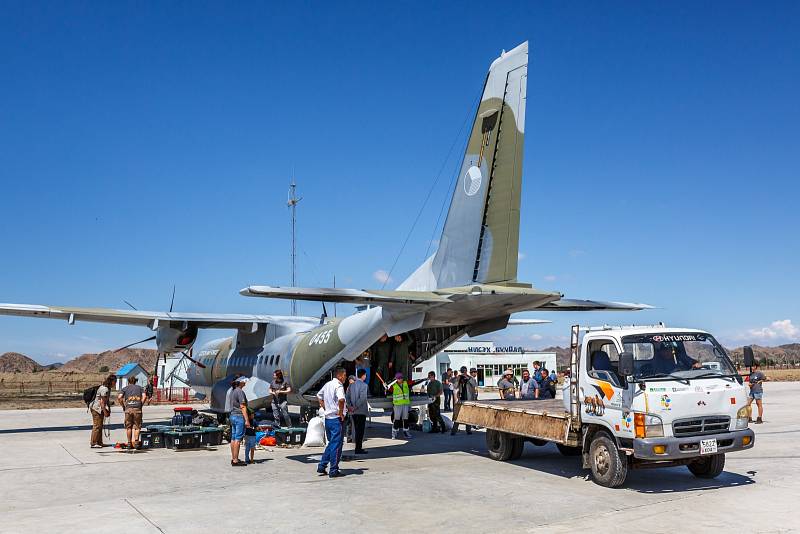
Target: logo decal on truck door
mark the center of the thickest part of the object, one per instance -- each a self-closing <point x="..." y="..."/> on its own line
<point x="604" y="388"/>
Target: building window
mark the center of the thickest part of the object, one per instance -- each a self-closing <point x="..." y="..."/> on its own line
<point x="418" y="369"/>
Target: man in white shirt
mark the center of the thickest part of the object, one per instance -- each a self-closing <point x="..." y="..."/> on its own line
<point x="331" y="400"/>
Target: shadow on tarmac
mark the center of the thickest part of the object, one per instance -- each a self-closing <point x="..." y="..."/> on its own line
<point x="544" y="459"/>
<point x="547" y="459"/>
<point x="70" y="428"/>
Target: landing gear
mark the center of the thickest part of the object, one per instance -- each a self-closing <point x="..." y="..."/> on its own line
<point x="307" y="413"/>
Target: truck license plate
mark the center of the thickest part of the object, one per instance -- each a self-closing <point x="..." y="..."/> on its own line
<point x="708" y="446"/>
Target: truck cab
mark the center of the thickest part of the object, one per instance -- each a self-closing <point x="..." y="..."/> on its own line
<point x="636" y="396"/>
<point x="667" y="396"/>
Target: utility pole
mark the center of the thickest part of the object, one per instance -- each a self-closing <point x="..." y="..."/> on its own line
<point x="292" y="203"/>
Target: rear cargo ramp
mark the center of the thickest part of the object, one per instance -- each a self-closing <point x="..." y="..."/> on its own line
<point x="539" y="419"/>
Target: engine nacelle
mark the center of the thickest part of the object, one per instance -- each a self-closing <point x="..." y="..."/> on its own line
<point x="171" y="340"/>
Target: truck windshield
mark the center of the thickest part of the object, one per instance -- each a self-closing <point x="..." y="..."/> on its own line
<point x="687" y="355"/>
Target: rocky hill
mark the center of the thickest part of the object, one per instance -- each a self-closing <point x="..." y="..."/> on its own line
<point x="14" y="362"/>
<point x="562" y="355"/>
<point x="92" y="363"/>
<point x="780" y="355"/>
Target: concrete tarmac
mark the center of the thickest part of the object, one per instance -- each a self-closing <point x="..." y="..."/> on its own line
<point x="51" y="481"/>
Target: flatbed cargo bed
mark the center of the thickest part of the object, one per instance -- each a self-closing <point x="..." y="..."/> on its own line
<point x="537" y="419"/>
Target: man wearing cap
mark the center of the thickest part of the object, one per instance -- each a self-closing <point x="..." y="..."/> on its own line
<point x="331" y="400"/>
<point x="466" y="388"/>
<point x="239" y="419"/>
<point x="401" y="405"/>
<point x="506" y="386"/>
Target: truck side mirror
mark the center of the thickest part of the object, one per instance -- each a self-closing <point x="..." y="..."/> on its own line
<point x="748" y="356"/>
<point x="626" y="364"/>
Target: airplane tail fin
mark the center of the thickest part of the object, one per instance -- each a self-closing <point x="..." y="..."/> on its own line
<point x="480" y="239"/>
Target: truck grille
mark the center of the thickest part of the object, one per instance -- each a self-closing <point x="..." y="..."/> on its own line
<point x="698" y="426"/>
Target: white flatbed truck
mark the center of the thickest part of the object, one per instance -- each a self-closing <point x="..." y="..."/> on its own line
<point x="637" y="397"/>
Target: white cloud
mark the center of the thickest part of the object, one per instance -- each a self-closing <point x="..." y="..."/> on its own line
<point x="550" y="278"/>
<point x="574" y="253"/>
<point x="382" y="276"/>
<point x="536" y="337"/>
<point x="520" y="256"/>
<point x="777" y="330"/>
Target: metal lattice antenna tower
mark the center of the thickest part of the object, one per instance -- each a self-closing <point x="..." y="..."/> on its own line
<point x="292" y="203"/>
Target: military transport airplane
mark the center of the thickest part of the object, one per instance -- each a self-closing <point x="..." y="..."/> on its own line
<point x="467" y="287"/>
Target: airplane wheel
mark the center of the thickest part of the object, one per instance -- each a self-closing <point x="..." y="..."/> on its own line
<point x="307" y="413"/>
<point x="413" y="417"/>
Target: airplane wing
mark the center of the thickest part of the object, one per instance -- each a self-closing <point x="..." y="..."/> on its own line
<point x="149" y="319"/>
<point x="593" y="305"/>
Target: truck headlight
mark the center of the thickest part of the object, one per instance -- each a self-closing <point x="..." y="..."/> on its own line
<point x="648" y="426"/>
<point x="742" y="418"/>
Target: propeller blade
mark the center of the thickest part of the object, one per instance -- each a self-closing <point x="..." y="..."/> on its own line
<point x="200" y="365"/>
<point x="172" y="302"/>
<point x="137" y="343"/>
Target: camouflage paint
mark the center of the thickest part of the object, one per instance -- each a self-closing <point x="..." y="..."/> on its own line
<point x="480" y="238"/>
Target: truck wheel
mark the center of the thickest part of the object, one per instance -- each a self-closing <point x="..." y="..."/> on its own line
<point x="519" y="446"/>
<point x="539" y="442"/>
<point x="500" y="445"/>
<point x="708" y="466"/>
<point x="609" y="465"/>
<point x="566" y="450"/>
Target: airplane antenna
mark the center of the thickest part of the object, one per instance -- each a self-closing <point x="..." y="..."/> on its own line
<point x="334" y="302"/>
<point x="292" y="203"/>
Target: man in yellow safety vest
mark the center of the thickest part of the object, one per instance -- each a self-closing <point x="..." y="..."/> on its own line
<point x="401" y="404"/>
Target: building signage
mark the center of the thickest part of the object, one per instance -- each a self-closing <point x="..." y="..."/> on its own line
<point x="492" y="349"/>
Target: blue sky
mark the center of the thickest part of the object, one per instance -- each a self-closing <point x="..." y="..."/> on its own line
<point x="146" y="144"/>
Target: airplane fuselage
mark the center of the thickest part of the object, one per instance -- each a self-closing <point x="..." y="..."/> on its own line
<point x="303" y="355"/>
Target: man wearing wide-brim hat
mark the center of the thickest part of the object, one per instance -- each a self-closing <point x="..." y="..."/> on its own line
<point x="506" y="386"/>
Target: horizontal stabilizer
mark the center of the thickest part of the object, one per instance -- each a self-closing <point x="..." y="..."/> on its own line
<point x="350" y="296"/>
<point x="593" y="305"/>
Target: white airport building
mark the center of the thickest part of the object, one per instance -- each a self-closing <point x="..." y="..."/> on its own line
<point x="490" y="360"/>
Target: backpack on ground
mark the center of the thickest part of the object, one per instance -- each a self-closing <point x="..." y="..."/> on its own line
<point x="89" y="395"/>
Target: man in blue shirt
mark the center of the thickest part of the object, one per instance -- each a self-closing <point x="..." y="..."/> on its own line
<point x="547" y="386"/>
